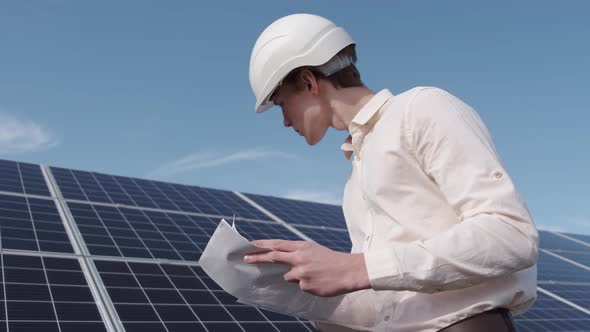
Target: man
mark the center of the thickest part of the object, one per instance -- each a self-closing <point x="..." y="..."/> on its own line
<point x="442" y="240"/>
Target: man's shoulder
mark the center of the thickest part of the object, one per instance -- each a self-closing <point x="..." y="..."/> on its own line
<point x="421" y="92"/>
<point x="405" y="100"/>
<point x="428" y="99"/>
<point x="417" y="97"/>
<point x="423" y="105"/>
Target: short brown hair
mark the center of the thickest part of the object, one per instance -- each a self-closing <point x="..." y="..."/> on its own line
<point x="344" y="78"/>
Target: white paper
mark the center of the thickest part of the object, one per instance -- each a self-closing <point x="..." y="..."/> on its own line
<point x="262" y="285"/>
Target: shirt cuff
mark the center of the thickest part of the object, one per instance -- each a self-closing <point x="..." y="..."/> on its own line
<point x="382" y="267"/>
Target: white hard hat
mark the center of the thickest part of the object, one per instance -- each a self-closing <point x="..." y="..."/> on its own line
<point x="291" y="42"/>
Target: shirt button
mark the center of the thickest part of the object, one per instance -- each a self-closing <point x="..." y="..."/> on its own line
<point x="497" y="174"/>
<point x="368" y="237"/>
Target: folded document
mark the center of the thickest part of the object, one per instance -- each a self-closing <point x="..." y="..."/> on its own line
<point x="262" y="285"/>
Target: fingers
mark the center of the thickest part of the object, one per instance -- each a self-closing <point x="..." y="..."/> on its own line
<point x="280" y="245"/>
<point x="270" y="257"/>
<point x="292" y="276"/>
<point x="282" y="252"/>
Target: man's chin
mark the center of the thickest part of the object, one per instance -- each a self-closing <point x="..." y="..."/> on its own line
<point x="315" y="136"/>
<point x="314" y="140"/>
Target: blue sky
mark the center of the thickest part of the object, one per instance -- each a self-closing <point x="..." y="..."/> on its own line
<point x="159" y="89"/>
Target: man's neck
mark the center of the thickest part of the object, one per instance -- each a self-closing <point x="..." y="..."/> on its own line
<point x="346" y="103"/>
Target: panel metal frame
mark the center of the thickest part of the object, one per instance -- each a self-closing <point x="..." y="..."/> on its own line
<point x="565" y="236"/>
<point x="106" y="308"/>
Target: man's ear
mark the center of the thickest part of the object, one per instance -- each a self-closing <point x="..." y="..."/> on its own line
<point x="310" y="81"/>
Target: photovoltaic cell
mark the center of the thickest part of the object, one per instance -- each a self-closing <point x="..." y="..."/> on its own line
<point x="338" y="240"/>
<point x="550" y="315"/>
<point x="551" y="268"/>
<point x="160" y="297"/>
<point x="258" y="230"/>
<point x="578" y="294"/>
<point x="581" y="237"/>
<point x="46" y="294"/>
<point x="578" y="257"/>
<point x="22" y="178"/>
<point x="112" y="231"/>
<point x="131" y="232"/>
<point x="205" y="200"/>
<point x="32" y="224"/>
<point x="67" y="184"/>
<point x="551" y="241"/>
<point x="102" y="188"/>
<point x="302" y="213"/>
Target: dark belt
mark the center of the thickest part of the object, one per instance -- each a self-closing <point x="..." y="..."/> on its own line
<point x="496" y="320"/>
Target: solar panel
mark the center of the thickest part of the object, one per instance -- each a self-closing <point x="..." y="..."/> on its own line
<point x="18" y="177"/>
<point x="28" y="223"/>
<point x="114" y="231"/>
<point x="102" y="188"/>
<point x="46" y="294"/>
<point x="302" y="213"/>
<point x="551" y="241"/>
<point x="576" y="293"/>
<point x="578" y="257"/>
<point x="142" y="239"/>
<point x="551" y="268"/>
<point x="259" y="230"/>
<point x="165" y="297"/>
<point x="550" y="315"/>
<point x="581" y="237"/>
<point x="130" y="232"/>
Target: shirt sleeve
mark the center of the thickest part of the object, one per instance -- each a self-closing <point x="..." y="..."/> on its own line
<point x="495" y="235"/>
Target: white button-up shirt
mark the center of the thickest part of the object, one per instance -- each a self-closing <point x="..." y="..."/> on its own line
<point x="444" y="232"/>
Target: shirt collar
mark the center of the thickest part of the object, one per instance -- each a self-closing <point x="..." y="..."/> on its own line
<point x="368" y="111"/>
<point x="362" y="118"/>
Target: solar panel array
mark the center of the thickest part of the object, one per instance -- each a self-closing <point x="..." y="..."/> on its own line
<point x="85" y="251"/>
<point x="564" y="272"/>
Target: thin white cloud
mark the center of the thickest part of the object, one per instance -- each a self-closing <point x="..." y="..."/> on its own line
<point x="201" y="160"/>
<point x="19" y="136"/>
<point x="315" y="196"/>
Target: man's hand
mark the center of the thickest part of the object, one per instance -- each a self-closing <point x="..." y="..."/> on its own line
<point x="317" y="269"/>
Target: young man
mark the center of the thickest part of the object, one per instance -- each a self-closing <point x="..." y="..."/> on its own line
<point x="442" y="240"/>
